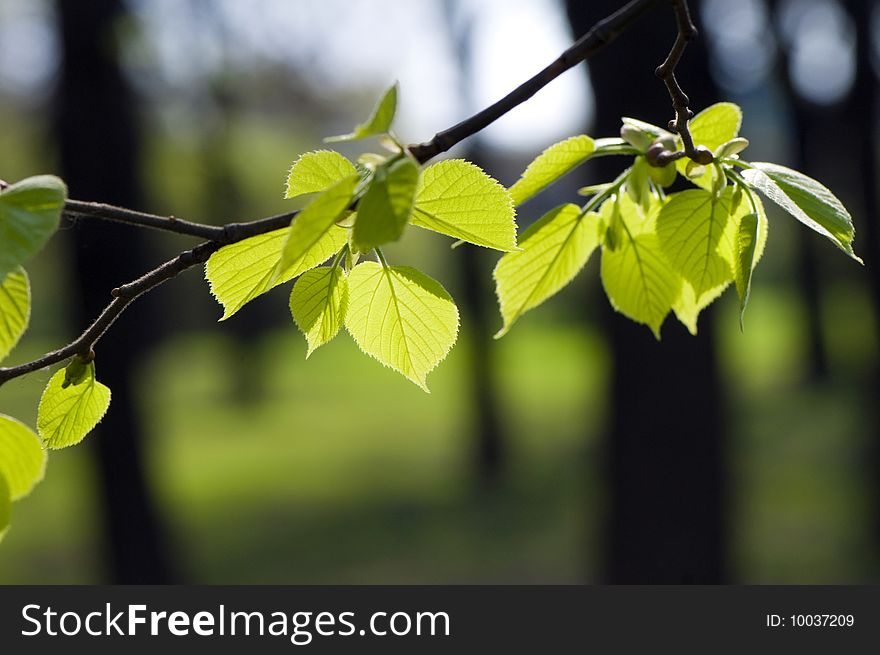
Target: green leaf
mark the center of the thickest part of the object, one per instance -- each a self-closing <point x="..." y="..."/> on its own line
<point x="386" y="207"/>
<point x="316" y="171"/>
<point x="313" y="223"/>
<point x="688" y="306"/>
<point x="15" y="309"/>
<point x="401" y="317"/>
<point x="30" y="211"/>
<point x="653" y="131"/>
<point x="240" y="272"/>
<point x="744" y="259"/>
<point x="807" y="200"/>
<point x="318" y="303"/>
<point x="458" y="199"/>
<point x="553" y="250"/>
<point x="550" y="165"/>
<point x="5" y="507"/>
<point x="689" y="227"/>
<point x="378" y="123"/>
<point x="637" y="278"/>
<point x="712" y="127"/>
<point x="22" y="458"/>
<point x="67" y="414"/>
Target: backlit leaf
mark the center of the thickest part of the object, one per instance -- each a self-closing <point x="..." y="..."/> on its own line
<point x="30" y="211"/>
<point x="22" y="458"/>
<point x="713" y="127"/>
<point x="401" y="317"/>
<point x="67" y="415"/>
<point x="318" y="303"/>
<point x="384" y="210"/>
<point x="378" y="123"/>
<point x="550" y="165"/>
<point x="744" y="259"/>
<point x="5" y="507"/>
<point x="15" y="309"/>
<point x="316" y="171"/>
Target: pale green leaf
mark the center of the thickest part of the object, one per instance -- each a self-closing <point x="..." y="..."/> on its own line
<point x="553" y="250"/>
<point x="653" y="131"/>
<point x="637" y="278"/>
<point x="687" y="305"/>
<point x="689" y="228"/>
<point x="5" y="507"/>
<point x="744" y="259"/>
<point x="15" y="309"/>
<point x="318" y="303"/>
<point x="401" y="317"/>
<point x="316" y="171"/>
<point x="458" y="199"/>
<point x="22" y="458"/>
<point x="807" y="200"/>
<point x="30" y="211"/>
<point x="385" y="209"/>
<point x="713" y="127"/>
<point x="378" y="123"/>
<point x="550" y="165"/>
<point x="67" y="415"/>
<point x="240" y="272"/>
<point x="313" y="223"/>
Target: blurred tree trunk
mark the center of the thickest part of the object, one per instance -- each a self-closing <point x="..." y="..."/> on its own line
<point x="96" y="128"/>
<point x="666" y="477"/>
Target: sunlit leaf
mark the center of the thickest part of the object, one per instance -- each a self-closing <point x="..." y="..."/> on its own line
<point x="713" y="127"/>
<point x="316" y="171"/>
<point x="378" y="123"/>
<point x="553" y="250"/>
<point x="458" y="199"/>
<point x="385" y="209"/>
<point x="68" y="413"/>
<point x="318" y="303"/>
<point x="401" y="317"/>
<point x="22" y="458"/>
<point x="15" y="309"/>
<point x="30" y="211"/>
<point x="744" y="259"/>
<point x="550" y="165"/>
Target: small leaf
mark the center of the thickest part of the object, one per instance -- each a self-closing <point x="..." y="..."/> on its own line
<point x="386" y="207"/>
<point x="316" y="171"/>
<point x="378" y="123"/>
<point x="653" y="131"/>
<point x="550" y="165"/>
<point x="30" y="211"/>
<point x="67" y="414"/>
<point x="240" y="272"/>
<point x="401" y="317"/>
<point x="5" y="507"/>
<point x="663" y="175"/>
<point x="732" y="147"/>
<point x="687" y="305"/>
<point x="636" y="276"/>
<point x="553" y="250"/>
<point x="807" y="200"/>
<point x="744" y="259"/>
<point x="637" y="181"/>
<point x="712" y="127"/>
<point x="22" y="458"/>
<point x="15" y="309"/>
<point x="313" y="223"/>
<point x="689" y="228"/>
<point x="458" y="199"/>
<point x="318" y="303"/>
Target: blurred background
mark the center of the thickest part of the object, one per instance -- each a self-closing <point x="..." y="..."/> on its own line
<point x="577" y="448"/>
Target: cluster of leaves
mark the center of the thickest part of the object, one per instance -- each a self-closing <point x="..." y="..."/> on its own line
<point x="73" y="401"/>
<point x="662" y="251"/>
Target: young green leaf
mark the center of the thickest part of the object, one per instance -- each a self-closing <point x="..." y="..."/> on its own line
<point x="386" y="207"/>
<point x="313" y="223"/>
<point x="22" y="458"/>
<point x="636" y="276"/>
<point x="378" y="123"/>
<point x="744" y="259"/>
<point x="316" y="171"/>
<point x="713" y="127"/>
<point x="689" y="228"/>
<point x="68" y="413"/>
<point x="807" y="200"/>
<point x="553" y="250"/>
<point x="550" y="165"/>
<point x="401" y="317"/>
<point x="687" y="305"/>
<point x="318" y="303"/>
<point x="15" y="309"/>
<point x="240" y="272"/>
<point x="458" y="199"/>
<point x="5" y="507"/>
<point x="652" y="131"/>
<point x="30" y="211"/>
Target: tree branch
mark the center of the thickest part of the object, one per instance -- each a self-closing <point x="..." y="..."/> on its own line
<point x="600" y="35"/>
<point x="680" y="102"/>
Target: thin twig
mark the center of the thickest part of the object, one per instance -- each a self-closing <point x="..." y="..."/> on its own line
<point x="666" y="72"/>
<point x="600" y="35"/>
<point x="102" y="211"/>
